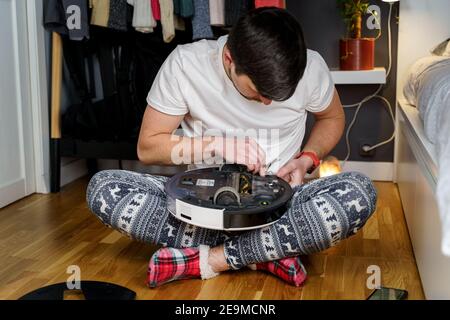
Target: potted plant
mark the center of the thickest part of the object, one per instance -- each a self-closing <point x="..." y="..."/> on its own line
<point x="356" y="53"/>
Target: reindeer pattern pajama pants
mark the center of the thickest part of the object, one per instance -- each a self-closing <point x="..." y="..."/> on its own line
<point x="320" y="214"/>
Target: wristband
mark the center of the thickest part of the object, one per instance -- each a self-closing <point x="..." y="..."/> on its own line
<point x="313" y="156"/>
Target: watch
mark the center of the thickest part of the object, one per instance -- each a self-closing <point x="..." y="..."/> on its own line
<point x="314" y="158"/>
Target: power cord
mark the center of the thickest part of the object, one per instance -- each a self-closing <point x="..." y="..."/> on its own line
<point x="370" y="97"/>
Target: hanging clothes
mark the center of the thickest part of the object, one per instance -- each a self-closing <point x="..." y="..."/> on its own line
<point x="201" y="26"/>
<point x="60" y="17"/>
<point x="270" y="3"/>
<point x="167" y="22"/>
<point x="54" y="17"/>
<point x="217" y="12"/>
<point x="143" y="20"/>
<point x="100" y="12"/>
<point x="234" y="9"/>
<point x="183" y="8"/>
<point x="156" y="9"/>
<point x="118" y="15"/>
<point x="179" y="23"/>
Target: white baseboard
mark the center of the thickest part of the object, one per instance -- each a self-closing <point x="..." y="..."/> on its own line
<point x="378" y="171"/>
<point x="72" y="169"/>
<point x="12" y="192"/>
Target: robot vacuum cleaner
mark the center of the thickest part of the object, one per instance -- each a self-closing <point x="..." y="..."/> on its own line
<point x="227" y="198"/>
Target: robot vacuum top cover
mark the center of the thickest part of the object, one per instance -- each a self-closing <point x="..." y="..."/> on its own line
<point x="227" y="198"/>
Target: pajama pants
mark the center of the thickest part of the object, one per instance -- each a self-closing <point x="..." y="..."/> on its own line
<point x="319" y="215"/>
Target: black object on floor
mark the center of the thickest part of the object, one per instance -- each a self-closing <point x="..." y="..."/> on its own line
<point x="91" y="290"/>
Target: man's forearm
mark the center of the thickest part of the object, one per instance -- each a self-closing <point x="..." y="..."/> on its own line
<point x="168" y="149"/>
<point x="325" y="134"/>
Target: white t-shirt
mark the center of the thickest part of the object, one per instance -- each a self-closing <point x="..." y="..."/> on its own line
<point x="192" y="82"/>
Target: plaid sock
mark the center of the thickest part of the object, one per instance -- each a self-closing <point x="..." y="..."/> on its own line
<point x="169" y="264"/>
<point x="289" y="269"/>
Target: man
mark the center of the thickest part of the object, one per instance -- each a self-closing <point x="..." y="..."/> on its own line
<point x="261" y="77"/>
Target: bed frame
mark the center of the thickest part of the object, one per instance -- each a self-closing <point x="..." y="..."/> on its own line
<point x="416" y="175"/>
<point x="423" y="24"/>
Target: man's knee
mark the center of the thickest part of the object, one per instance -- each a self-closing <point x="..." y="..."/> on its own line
<point x="348" y="186"/>
<point x="95" y="184"/>
<point x="360" y="202"/>
<point x="96" y="193"/>
<point x="365" y="187"/>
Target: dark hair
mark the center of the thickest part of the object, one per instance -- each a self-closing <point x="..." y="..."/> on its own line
<point x="267" y="45"/>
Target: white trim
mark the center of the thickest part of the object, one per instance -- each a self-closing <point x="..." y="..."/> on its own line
<point x="396" y="144"/>
<point x="377" y="75"/>
<point x="72" y="170"/>
<point x="23" y="90"/>
<point x="379" y="171"/>
<point x="9" y="192"/>
<point x="199" y="216"/>
<point x="417" y="185"/>
<point x="39" y="94"/>
<point x="424" y="151"/>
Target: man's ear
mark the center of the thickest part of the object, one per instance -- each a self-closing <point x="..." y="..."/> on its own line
<point x="227" y="56"/>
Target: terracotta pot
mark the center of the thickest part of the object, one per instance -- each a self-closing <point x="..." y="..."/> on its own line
<point x="357" y="54"/>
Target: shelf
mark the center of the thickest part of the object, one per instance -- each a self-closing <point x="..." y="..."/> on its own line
<point x="377" y="75"/>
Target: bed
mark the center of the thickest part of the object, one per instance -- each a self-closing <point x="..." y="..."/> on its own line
<point x="422" y="163"/>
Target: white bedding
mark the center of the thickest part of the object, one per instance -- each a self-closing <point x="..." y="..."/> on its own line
<point x="428" y="88"/>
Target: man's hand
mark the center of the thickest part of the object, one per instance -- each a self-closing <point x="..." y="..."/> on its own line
<point x="244" y="151"/>
<point x="295" y="170"/>
<point x="325" y="134"/>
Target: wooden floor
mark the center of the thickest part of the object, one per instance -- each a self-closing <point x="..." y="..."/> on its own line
<point x="42" y="235"/>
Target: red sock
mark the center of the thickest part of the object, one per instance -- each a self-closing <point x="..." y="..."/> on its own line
<point x="169" y="264"/>
<point x="289" y="269"/>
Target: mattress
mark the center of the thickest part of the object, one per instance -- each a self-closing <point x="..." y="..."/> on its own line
<point x="428" y="88"/>
<point x="425" y="148"/>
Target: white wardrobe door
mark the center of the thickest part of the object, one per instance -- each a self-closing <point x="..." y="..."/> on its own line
<point x="16" y="148"/>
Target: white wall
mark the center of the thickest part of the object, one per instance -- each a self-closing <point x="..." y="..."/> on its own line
<point x="17" y="172"/>
<point x="423" y="24"/>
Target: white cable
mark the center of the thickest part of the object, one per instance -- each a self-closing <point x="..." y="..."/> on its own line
<point x="393" y="123"/>
<point x="365" y="99"/>
<point x="347" y="140"/>
<point x="391" y="113"/>
<point x="389" y="39"/>
<point x="373" y="95"/>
